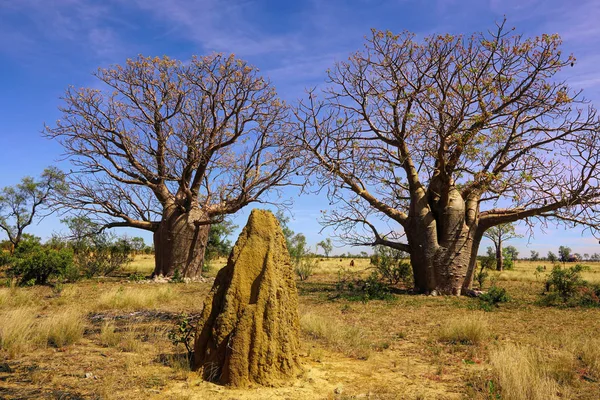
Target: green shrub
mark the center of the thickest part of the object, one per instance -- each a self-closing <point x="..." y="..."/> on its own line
<point x="566" y="287"/>
<point x="305" y="268"/>
<point x="494" y="296"/>
<point x="364" y="290"/>
<point x="390" y="266"/>
<point x="184" y="332"/>
<point x="37" y="265"/>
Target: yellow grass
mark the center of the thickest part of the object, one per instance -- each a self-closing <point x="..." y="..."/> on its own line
<point x="63" y="328"/>
<point x="469" y="330"/>
<point x="378" y="349"/>
<point x="521" y="374"/>
<point x="525" y="271"/>
<point x="134" y="298"/>
<point x="17" y="333"/>
<point x="17" y="297"/>
<point x="349" y="340"/>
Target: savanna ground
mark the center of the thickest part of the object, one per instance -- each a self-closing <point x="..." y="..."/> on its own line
<point x="107" y="338"/>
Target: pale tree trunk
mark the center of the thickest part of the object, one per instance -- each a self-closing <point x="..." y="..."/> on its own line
<point x="445" y="270"/>
<point x="443" y="237"/>
<point x="499" y="258"/>
<point x="179" y="243"/>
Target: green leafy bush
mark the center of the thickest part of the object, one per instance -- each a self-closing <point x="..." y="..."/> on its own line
<point x="184" y="333"/>
<point x="390" y="266"/>
<point x="305" y="268"/>
<point x="371" y="288"/>
<point x="494" y="296"/>
<point x="38" y="264"/>
<point x="566" y="287"/>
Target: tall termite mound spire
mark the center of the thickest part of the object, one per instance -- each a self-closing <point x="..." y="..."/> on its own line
<point x="248" y="330"/>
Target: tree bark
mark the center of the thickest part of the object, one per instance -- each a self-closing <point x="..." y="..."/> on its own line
<point x="444" y="239"/>
<point x="180" y="242"/>
<point x="444" y="270"/>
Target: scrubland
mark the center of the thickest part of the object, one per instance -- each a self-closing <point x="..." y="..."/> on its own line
<point x="108" y="339"/>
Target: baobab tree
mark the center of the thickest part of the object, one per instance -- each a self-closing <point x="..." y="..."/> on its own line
<point x="498" y="235"/>
<point x="425" y="145"/>
<point x="172" y="148"/>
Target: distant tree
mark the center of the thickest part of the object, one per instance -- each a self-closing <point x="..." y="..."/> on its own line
<point x="431" y="134"/>
<point x="326" y="246"/>
<point x="586" y="256"/>
<point x="172" y="148"/>
<point x="498" y="235"/>
<point x="21" y="204"/>
<point x="552" y="257"/>
<point x="219" y="244"/>
<point x="595" y="257"/>
<point x="510" y="255"/>
<point x="512" y="250"/>
<point x="535" y="256"/>
<point x="564" y="253"/>
<point x="137" y="244"/>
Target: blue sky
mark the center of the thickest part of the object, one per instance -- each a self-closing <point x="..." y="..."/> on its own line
<point x="46" y="45"/>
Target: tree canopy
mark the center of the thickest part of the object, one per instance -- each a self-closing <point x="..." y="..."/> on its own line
<point x="445" y="137"/>
<point x="172" y="147"/>
<point x="20" y="204"/>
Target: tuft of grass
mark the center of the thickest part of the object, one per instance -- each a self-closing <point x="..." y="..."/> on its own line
<point x="127" y="298"/>
<point x="522" y="374"/>
<point x="16" y="297"/>
<point x="349" y="340"/>
<point x="588" y="352"/>
<point x="469" y="331"/>
<point x="63" y="328"/>
<point x="17" y="333"/>
<point x="108" y="336"/>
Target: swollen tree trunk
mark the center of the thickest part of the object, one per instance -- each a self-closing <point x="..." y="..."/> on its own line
<point x="180" y="242"/>
<point x="443" y="237"/>
<point x="444" y="269"/>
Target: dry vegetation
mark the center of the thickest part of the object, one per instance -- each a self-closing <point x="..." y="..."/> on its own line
<point x="108" y="339"/>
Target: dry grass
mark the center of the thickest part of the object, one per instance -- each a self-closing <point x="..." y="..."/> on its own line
<point x="470" y="330"/>
<point x="349" y="340"/>
<point x="134" y="298"/>
<point x="524" y="350"/>
<point x="141" y="263"/>
<point x="16" y="297"/>
<point x="522" y="374"/>
<point x="17" y="333"/>
<point x="587" y="350"/>
<point x="62" y="328"/>
<point x="108" y="335"/>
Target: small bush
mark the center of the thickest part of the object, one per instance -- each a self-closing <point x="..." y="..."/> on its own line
<point x="364" y="290"/>
<point x="38" y="264"/>
<point x="566" y="287"/>
<point x="390" y="267"/>
<point x="184" y="333"/>
<point x="137" y="276"/>
<point x="494" y="296"/>
<point x="305" y="267"/>
<point x="481" y="277"/>
<point x="467" y="331"/>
